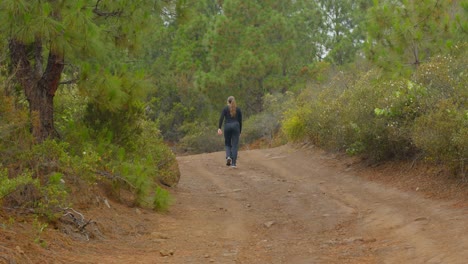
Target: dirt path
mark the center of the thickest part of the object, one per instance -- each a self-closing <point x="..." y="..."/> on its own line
<point x="281" y="205"/>
<point x="285" y="205"/>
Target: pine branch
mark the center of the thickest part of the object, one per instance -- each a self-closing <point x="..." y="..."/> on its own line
<point x="428" y="15"/>
<point x="101" y="13"/>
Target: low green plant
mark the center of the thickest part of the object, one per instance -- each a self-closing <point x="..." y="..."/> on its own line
<point x="200" y="137"/>
<point x="7" y="185"/>
<point x="266" y="124"/>
<point x="294" y="124"/>
<point x="54" y="196"/>
<point x="39" y="228"/>
<point x="162" y="199"/>
<point x="141" y="171"/>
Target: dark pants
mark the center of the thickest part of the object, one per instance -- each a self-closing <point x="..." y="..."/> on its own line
<point x="231" y="140"/>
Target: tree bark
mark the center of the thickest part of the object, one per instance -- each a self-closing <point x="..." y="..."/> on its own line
<point x="39" y="87"/>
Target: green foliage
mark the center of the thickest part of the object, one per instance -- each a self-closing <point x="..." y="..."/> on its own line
<point x="171" y="121"/>
<point x="443" y="135"/>
<point x="265" y="125"/>
<point x="351" y="121"/>
<point x="150" y="164"/>
<point x="162" y="199"/>
<point x="39" y="228"/>
<point x="47" y="157"/>
<point x="342" y="29"/>
<point x="7" y="185"/>
<point x="408" y="32"/>
<point x="294" y="124"/>
<point x="385" y="118"/>
<point x="54" y="197"/>
<point x="42" y="172"/>
<point x="15" y="137"/>
<point x="201" y="137"/>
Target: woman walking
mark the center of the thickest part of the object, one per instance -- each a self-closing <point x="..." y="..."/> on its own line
<point x="232" y="116"/>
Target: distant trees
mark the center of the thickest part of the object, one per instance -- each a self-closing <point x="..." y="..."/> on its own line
<point x="342" y="28"/>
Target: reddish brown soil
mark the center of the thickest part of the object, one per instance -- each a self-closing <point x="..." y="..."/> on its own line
<point x="281" y="205"/>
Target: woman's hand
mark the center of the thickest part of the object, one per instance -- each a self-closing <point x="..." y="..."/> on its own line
<point x="220" y="132"/>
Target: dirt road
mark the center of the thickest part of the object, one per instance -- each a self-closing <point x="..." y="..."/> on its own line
<point x="286" y="205"/>
<point x="281" y="205"/>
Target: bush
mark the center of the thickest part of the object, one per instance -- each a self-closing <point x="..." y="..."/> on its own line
<point x="39" y="174"/>
<point x="294" y="124"/>
<point x="266" y="124"/>
<point x="443" y="135"/>
<point x="162" y="199"/>
<point x="8" y="186"/>
<point x="142" y="171"/>
<point x="384" y="117"/>
<point x="201" y="137"/>
<point x="372" y="117"/>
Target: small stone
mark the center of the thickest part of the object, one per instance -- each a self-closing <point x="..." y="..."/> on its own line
<point x="421" y="219"/>
<point x="166" y="253"/>
<point x="269" y="224"/>
<point x="19" y="250"/>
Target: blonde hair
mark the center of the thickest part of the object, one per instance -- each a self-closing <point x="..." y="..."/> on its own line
<point x="232" y="105"/>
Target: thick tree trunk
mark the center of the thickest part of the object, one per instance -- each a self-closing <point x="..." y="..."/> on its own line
<point x="39" y="87"/>
<point x="41" y="108"/>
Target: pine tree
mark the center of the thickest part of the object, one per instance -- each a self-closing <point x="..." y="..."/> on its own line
<point x="408" y="32"/>
<point x="341" y="28"/>
<point x="83" y="38"/>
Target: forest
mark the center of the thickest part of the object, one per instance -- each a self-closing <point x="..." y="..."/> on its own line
<point x="96" y="91"/>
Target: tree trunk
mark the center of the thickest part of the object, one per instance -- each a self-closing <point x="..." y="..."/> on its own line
<point x="39" y="87"/>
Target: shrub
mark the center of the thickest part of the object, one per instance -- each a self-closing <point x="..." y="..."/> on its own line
<point x="15" y="137"/>
<point x="8" y="186"/>
<point x="386" y="117"/>
<point x="373" y="116"/>
<point x="144" y="170"/>
<point x="162" y="199"/>
<point x="294" y="124"/>
<point x="442" y="135"/>
<point x="266" y="124"/>
<point x="200" y="137"/>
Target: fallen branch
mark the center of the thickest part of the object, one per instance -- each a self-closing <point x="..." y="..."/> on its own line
<point x="76" y="219"/>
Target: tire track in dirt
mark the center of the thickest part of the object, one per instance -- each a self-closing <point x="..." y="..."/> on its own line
<point x="282" y="205"/>
<point x="275" y="217"/>
<point x="287" y="205"/>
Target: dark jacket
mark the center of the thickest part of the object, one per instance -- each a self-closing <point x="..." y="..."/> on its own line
<point x="226" y="115"/>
